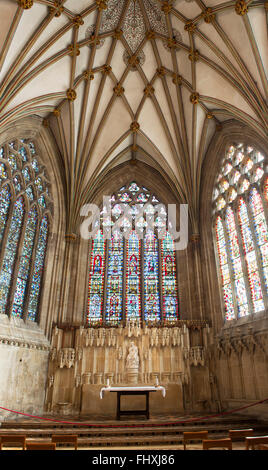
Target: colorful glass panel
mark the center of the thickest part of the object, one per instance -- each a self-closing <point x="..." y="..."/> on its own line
<point x="10" y="252"/>
<point x="240" y="288"/>
<point x="261" y="230"/>
<point x="133" y="273"/>
<point x="250" y="256"/>
<point x="38" y="269"/>
<point x="25" y="264"/>
<point x="96" y="279"/>
<point x="224" y="268"/>
<point x="114" y="280"/>
<point x="169" y="285"/>
<point x="151" y="281"/>
<point x="5" y="198"/>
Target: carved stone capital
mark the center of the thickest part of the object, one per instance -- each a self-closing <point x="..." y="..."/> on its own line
<point x="149" y="90"/>
<point x="78" y="21"/>
<point x="88" y="75"/>
<point x="241" y="7"/>
<point x="74" y="50"/>
<point x="58" y="9"/>
<point x="194" y="98"/>
<point x="193" y="56"/>
<point x="190" y="26"/>
<point x="25" y="4"/>
<point x="161" y="71"/>
<point x="166" y="7"/>
<point x="177" y="79"/>
<point x="101" y="4"/>
<point x="71" y="94"/>
<point x="118" y="34"/>
<point x="119" y="90"/>
<point x="150" y="35"/>
<point x="107" y="69"/>
<point x="56" y="112"/>
<point x="134" y="126"/>
<point x="208" y="15"/>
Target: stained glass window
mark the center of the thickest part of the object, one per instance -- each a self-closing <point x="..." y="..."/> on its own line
<point x="25" y="264"/>
<point x="250" y="256"/>
<point x="151" y="280"/>
<point x="138" y="279"/>
<point x="10" y="252"/>
<point x="241" y="230"/>
<point x="113" y="313"/>
<point x="133" y="274"/>
<point x="23" y="228"/>
<point x="5" y="198"/>
<point x="261" y="231"/>
<point x="35" y="288"/>
<point x="170" y="299"/>
<point x="96" y="279"/>
<point x="225" y="272"/>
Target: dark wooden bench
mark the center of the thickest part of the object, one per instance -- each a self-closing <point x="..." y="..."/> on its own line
<point x="251" y="442"/>
<point x="240" y="434"/>
<point x="194" y="436"/>
<point x="40" y="446"/>
<point x="216" y="443"/>
<point x="65" y="439"/>
<point x="13" y="439"/>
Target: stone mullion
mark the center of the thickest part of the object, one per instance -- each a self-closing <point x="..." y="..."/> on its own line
<point x="229" y="262"/>
<point x="258" y="253"/>
<point x="31" y="272"/>
<point x="17" y="263"/>
<point x="242" y="258"/>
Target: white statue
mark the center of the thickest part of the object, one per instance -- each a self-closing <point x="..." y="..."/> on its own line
<point x="133" y="357"/>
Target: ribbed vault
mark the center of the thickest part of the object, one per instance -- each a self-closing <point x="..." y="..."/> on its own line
<point x="133" y="79"/>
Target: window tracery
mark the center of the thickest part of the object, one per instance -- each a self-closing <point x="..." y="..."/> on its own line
<point x="138" y="280"/>
<point x="240" y="227"/>
<point x="25" y="207"/>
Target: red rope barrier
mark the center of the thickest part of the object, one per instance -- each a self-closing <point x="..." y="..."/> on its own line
<point x="224" y="413"/>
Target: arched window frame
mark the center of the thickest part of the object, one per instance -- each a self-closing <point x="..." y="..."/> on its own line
<point x="103" y="321"/>
<point x="27" y="158"/>
<point x="260" y="187"/>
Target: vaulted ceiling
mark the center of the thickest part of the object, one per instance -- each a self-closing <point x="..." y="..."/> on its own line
<point x="122" y="80"/>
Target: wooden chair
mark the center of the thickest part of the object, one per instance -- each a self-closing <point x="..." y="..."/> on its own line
<point x="240" y="434"/>
<point x="215" y="443"/>
<point x="65" y="439"/>
<point x="40" y="446"/>
<point x="13" y="439"/>
<point x="251" y="442"/>
<point x="194" y="436"/>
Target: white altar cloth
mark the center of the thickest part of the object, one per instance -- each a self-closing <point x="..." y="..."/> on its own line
<point x="133" y="389"/>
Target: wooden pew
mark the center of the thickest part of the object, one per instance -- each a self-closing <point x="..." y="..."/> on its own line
<point x="13" y="439"/>
<point x="194" y="436"/>
<point x="215" y="443"/>
<point x="240" y="434"/>
<point x="251" y="442"/>
<point x="262" y="447"/>
<point x="40" y="446"/>
<point x="65" y="439"/>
